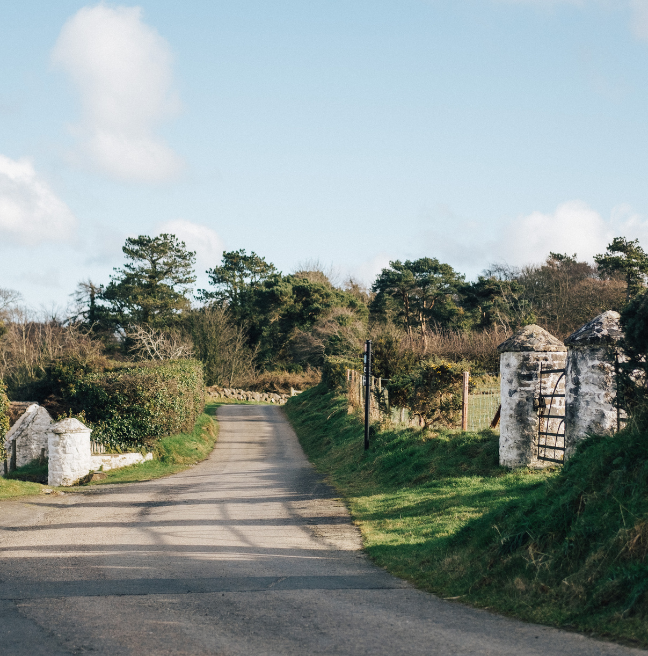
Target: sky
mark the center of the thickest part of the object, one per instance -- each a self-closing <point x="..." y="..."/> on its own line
<point x="348" y="132"/>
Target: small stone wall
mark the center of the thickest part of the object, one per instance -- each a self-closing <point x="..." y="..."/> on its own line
<point x="247" y="395"/>
<point x="108" y="461"/>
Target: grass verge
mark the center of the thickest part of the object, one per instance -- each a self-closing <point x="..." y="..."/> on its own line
<point x="566" y="548"/>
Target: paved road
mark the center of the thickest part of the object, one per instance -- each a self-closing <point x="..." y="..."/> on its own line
<point x="247" y="553"/>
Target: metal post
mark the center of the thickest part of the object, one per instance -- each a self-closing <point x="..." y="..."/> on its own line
<point x="464" y="401"/>
<point x="367" y="363"/>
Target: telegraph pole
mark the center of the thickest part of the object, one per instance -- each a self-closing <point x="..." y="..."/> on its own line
<point x="367" y="373"/>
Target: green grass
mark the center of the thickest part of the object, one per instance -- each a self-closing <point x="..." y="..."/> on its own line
<point x="172" y="454"/>
<point x="565" y="547"/>
<point x="11" y="489"/>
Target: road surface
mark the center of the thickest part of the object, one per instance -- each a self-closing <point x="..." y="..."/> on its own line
<point x="247" y="553"/>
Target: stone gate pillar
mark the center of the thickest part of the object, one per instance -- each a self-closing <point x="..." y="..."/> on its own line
<point x="520" y="359"/>
<point x="590" y="388"/>
<point x="69" y="452"/>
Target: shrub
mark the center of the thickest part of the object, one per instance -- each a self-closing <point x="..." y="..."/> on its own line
<point x="132" y="406"/>
<point x="334" y="370"/>
<point x="432" y="391"/>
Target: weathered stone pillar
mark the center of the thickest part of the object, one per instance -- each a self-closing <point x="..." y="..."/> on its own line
<point x="590" y="389"/>
<point x="69" y="452"/>
<point x="520" y="358"/>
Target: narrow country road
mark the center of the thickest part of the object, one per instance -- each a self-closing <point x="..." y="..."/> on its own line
<point x="247" y="553"/>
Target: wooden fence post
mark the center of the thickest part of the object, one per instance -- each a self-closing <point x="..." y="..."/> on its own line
<point x="464" y="400"/>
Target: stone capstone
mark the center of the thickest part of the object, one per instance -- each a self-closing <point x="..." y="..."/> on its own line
<point x="604" y="329"/>
<point x="531" y="338"/>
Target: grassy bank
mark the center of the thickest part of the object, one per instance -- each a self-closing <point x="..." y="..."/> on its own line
<point x="172" y="455"/>
<point x="566" y="548"/>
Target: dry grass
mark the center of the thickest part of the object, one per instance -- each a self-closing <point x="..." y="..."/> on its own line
<point x="280" y="382"/>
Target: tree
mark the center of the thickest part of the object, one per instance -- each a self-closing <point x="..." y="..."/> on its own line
<point x="418" y="292"/>
<point x="154" y="285"/>
<point x="236" y="278"/>
<point x="85" y="298"/>
<point x="626" y="258"/>
<point x="221" y="345"/>
<point x="493" y="301"/>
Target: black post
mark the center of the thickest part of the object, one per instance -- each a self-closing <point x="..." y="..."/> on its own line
<point x="367" y="368"/>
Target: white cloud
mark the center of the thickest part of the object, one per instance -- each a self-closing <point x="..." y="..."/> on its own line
<point x="30" y="212"/>
<point x="200" y="238"/>
<point x="122" y="70"/>
<point x="640" y="18"/>
<point x="572" y="228"/>
<point x="367" y="271"/>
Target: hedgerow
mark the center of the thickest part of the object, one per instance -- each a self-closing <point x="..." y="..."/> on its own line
<point x="130" y="407"/>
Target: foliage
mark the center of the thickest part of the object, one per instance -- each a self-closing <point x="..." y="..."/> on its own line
<point x="335" y="368"/>
<point x="493" y="301"/>
<point x="4" y="419"/>
<point x="431" y="391"/>
<point x="564" y="293"/>
<point x="626" y="258"/>
<point x="31" y="345"/>
<point x="220" y="343"/>
<point x="172" y="454"/>
<point x="417" y="292"/>
<point x="154" y="285"/>
<point x="129" y="407"/>
<point x="564" y="548"/>
<point x="236" y="280"/>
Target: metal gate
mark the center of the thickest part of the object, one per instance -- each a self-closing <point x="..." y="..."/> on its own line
<point x="551" y="420"/>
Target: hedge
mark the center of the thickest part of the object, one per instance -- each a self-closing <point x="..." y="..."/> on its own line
<point x="130" y="407"/>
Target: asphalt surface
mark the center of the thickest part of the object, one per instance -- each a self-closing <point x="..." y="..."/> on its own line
<point x="246" y="553"/>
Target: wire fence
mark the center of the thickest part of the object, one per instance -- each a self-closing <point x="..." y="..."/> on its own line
<point x="483" y="404"/>
<point x="482" y="407"/>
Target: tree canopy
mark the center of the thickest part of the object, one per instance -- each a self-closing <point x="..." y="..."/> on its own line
<point x="155" y="284"/>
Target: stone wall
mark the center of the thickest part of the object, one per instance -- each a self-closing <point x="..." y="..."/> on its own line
<point x="107" y="461"/>
<point x="216" y="392"/>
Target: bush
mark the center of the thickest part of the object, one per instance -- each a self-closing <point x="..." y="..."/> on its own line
<point x="334" y="370"/>
<point x="130" y="407"/>
<point x="432" y="391"/>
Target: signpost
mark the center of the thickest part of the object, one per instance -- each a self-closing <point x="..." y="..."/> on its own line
<point x="367" y="379"/>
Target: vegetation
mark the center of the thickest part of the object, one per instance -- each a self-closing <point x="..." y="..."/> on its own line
<point x="128" y="407"/>
<point x="566" y="548"/>
<point x="172" y="454"/>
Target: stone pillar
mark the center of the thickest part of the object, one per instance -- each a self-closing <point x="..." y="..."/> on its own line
<point x="590" y="389"/>
<point x="69" y="452"/>
<point x="520" y="358"/>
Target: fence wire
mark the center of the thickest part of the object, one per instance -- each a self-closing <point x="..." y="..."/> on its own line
<point x="482" y="406"/>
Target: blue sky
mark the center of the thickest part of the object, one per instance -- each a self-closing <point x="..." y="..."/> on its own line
<point x="353" y="132"/>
